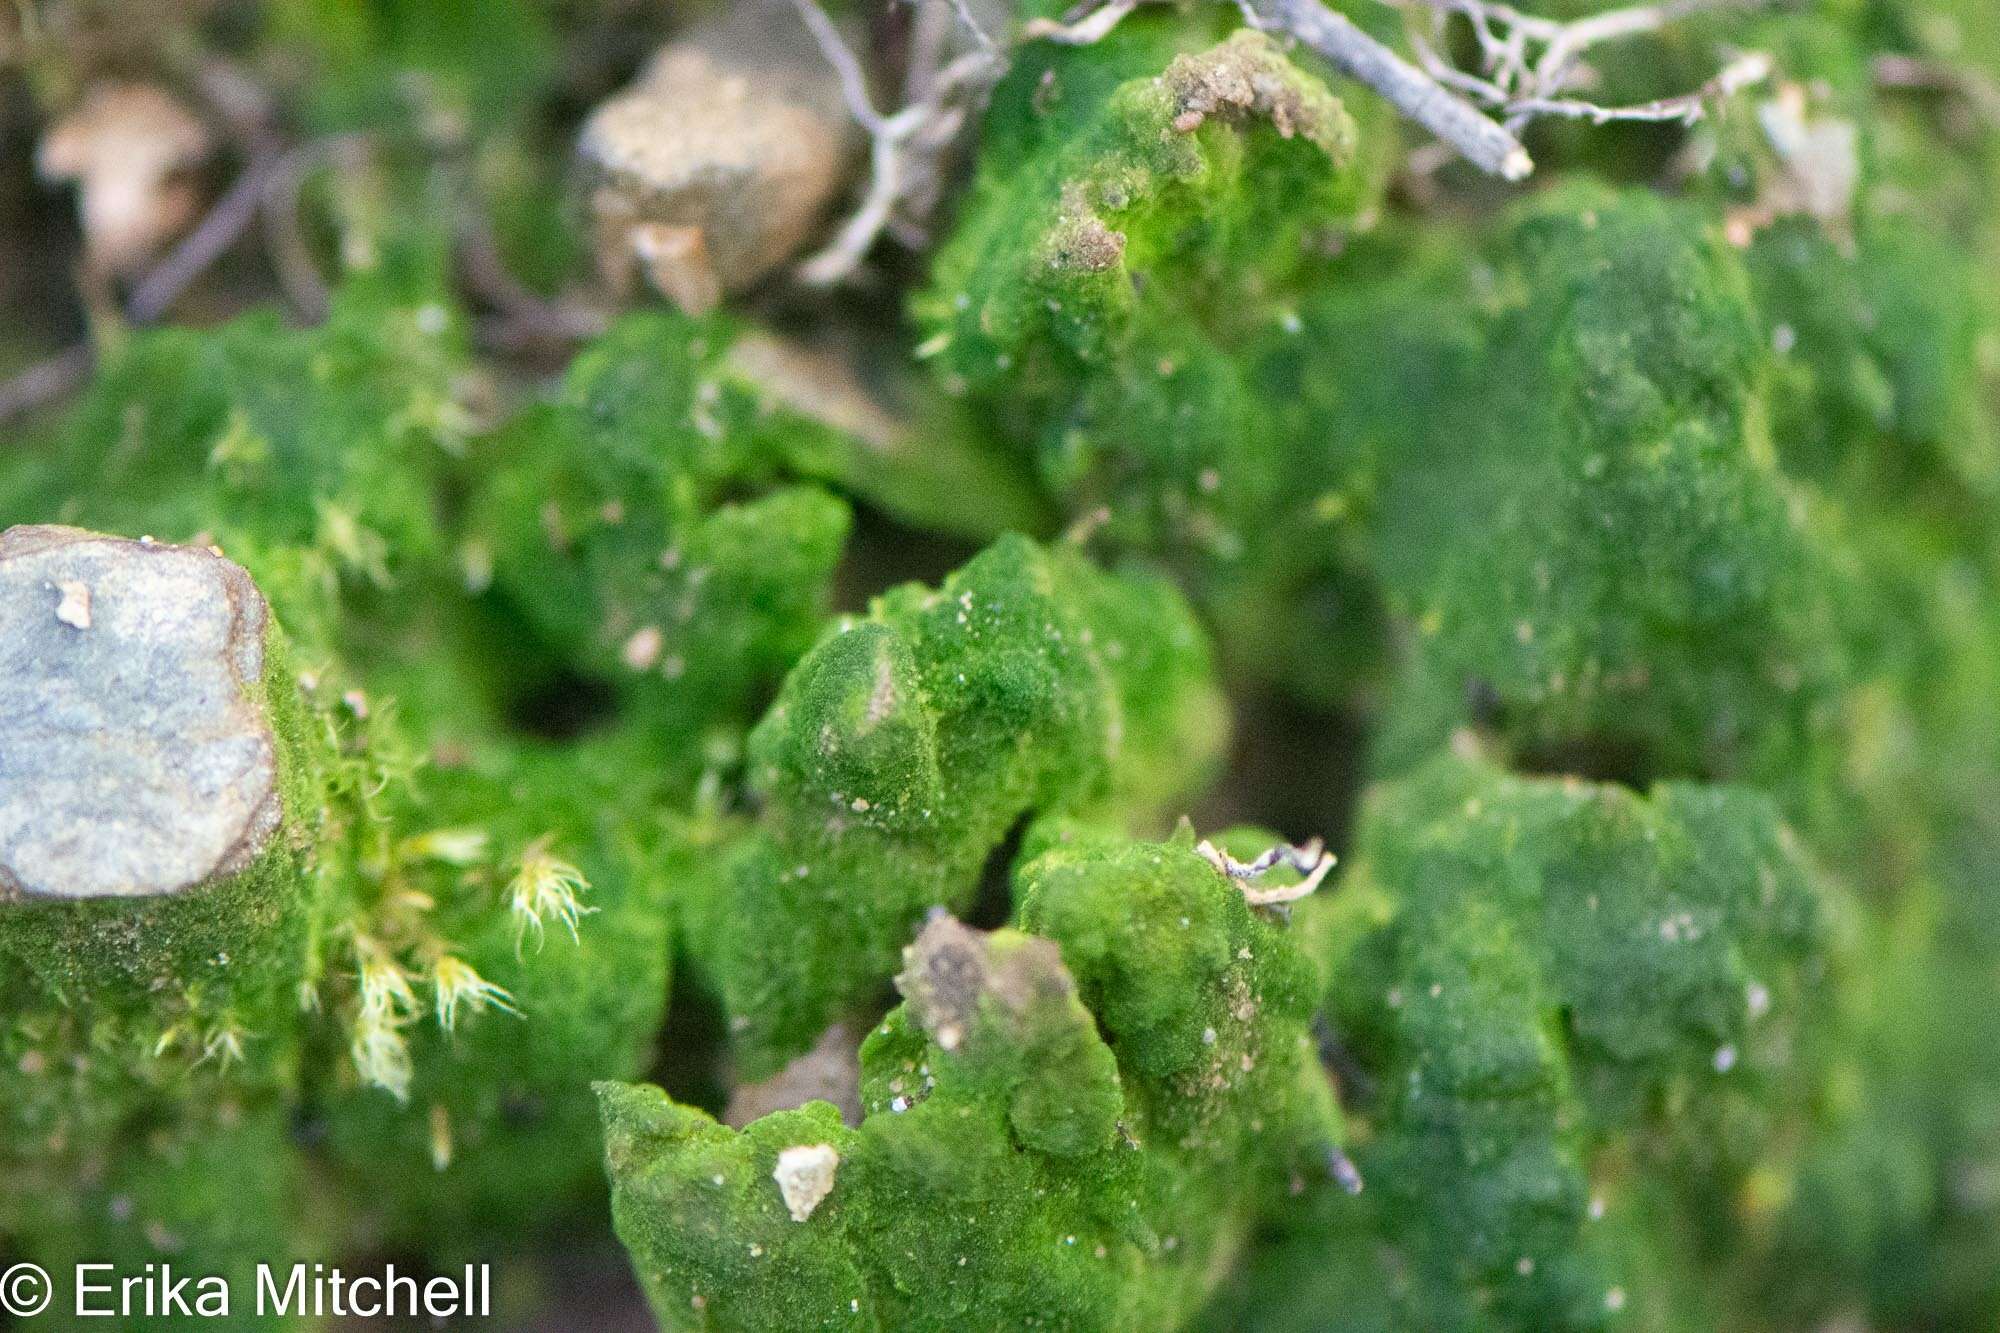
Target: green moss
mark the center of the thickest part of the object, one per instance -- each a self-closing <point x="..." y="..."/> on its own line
<point x="1622" y="581"/>
<point x="1584" y="1017"/>
<point x="1072" y="1127"/>
<point x="1146" y="213"/>
<point x="905" y="747"/>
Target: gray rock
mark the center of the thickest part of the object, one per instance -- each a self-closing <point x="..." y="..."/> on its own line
<point x="136" y="758"/>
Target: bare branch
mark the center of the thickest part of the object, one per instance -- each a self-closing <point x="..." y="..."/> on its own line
<point x="1311" y="860"/>
<point x="853" y="82"/>
<point x="221" y="228"/>
<point x="45" y="381"/>
<point x="963" y="9"/>
<point x="1918" y="74"/>
<point x="1094" y="27"/>
<point x="1523" y="88"/>
<point x="857" y="235"/>
<point x="1688" y="108"/>
<point x="1485" y="144"/>
<point x="907" y="148"/>
<point x="1572" y="39"/>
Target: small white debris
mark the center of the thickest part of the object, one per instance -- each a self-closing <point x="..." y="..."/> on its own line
<point x="1757" y="1000"/>
<point x="1725" y="1059"/>
<point x="74" y="608"/>
<point x="642" y="650"/>
<point x="1614" y="1299"/>
<point x="805" y="1177"/>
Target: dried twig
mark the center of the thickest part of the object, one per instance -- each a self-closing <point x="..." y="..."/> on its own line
<point x="221" y="228"/>
<point x="1092" y="28"/>
<point x="45" y="381"/>
<point x="906" y="148"/>
<point x="1529" y="65"/>
<point x="1741" y="73"/>
<point x="1489" y="146"/>
<point x="1311" y="860"/>
<point x="163" y="284"/>
<point x="298" y="273"/>
<point x="271" y="177"/>
<point x="525" y="317"/>
<point x="1918" y="74"/>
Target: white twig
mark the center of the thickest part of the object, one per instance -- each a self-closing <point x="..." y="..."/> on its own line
<point x="1311" y="860"/>
<point x="1527" y="65"/>
<point x="853" y="82"/>
<point x="906" y="148"/>
<point x="1523" y="84"/>
<point x="1092" y="28"/>
<point x="1482" y="142"/>
<point x="963" y="9"/>
<point x="1573" y="39"/>
<point x="1688" y="108"/>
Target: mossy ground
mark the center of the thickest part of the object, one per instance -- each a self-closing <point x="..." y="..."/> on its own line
<point x="650" y="706"/>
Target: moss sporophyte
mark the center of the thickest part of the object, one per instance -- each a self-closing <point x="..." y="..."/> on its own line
<point x="709" y="672"/>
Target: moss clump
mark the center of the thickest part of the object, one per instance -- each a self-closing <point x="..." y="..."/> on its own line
<point x="1069" y="1123"/>
<point x="1145" y="218"/>
<point x="1613" y="575"/>
<point x="1585" y="1016"/>
<point x="908" y="743"/>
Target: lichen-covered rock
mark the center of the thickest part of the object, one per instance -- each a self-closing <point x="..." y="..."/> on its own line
<point x="139" y="761"/>
<point x="159" y="802"/>
<point x="908" y="743"/>
<point x="1068" y="1128"/>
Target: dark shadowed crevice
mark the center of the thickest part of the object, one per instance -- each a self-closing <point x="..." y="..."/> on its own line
<point x="1626" y="761"/>
<point x="563" y="707"/>
<point x="1352" y="1083"/>
<point x="993" y="906"/>
<point x="1293" y="768"/>
<point x="694" y="1031"/>
<point x="884" y="553"/>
